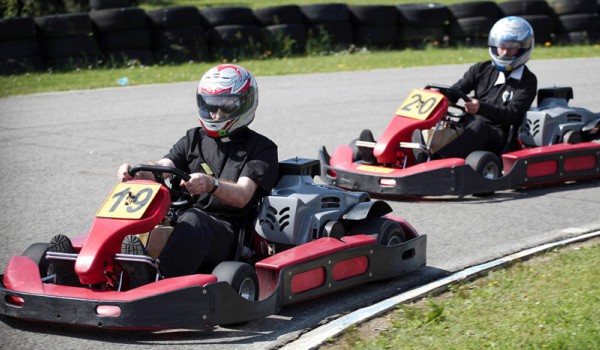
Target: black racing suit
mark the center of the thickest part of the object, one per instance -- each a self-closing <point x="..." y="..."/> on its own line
<point x="206" y="234"/>
<point x="501" y="105"/>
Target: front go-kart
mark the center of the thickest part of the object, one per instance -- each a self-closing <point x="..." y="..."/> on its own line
<point x="305" y="240"/>
<point x="556" y="143"/>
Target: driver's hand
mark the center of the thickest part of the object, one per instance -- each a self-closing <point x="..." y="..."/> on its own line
<point x="123" y="172"/>
<point x="472" y="107"/>
<point x="198" y="183"/>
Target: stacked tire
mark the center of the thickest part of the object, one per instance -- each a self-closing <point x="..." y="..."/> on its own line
<point x="472" y="22"/>
<point x="231" y="32"/>
<point x="424" y="24"/>
<point x="328" y="26"/>
<point x="538" y="13"/>
<point x="178" y="34"/>
<point x="578" y="21"/>
<point x="283" y="30"/>
<point x="67" y="41"/>
<point x="123" y="36"/>
<point x="375" y="25"/>
<point x="19" y="49"/>
<point x="109" y="4"/>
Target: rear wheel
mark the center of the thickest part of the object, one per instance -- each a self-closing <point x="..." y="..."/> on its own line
<point x="388" y="232"/>
<point x="37" y="253"/>
<point x="240" y="276"/>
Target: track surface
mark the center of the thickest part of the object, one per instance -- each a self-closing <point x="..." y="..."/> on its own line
<point x="60" y="151"/>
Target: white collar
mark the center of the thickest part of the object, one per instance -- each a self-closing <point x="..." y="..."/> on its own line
<point x="516" y="74"/>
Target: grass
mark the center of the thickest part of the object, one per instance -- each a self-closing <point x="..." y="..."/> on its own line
<point x="343" y="61"/>
<point x="549" y="302"/>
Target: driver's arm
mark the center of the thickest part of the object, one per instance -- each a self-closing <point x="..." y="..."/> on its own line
<point x="236" y="194"/>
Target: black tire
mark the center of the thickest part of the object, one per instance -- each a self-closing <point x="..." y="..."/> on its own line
<point x="474" y="27"/>
<point x="125" y="39"/>
<point x="579" y="38"/>
<point x="68" y="24"/>
<point x="566" y="7"/>
<point x="125" y="56"/>
<point x="233" y="35"/>
<point x="69" y="46"/>
<point x="17" y="28"/>
<point x="275" y="36"/>
<point x="326" y="13"/>
<point x="190" y="36"/>
<point x="222" y="16"/>
<point x="21" y="65"/>
<point x="422" y="34"/>
<point x="333" y="229"/>
<point x="16" y="48"/>
<point x="339" y="33"/>
<point x="525" y="7"/>
<point x="424" y="14"/>
<point x="240" y="276"/>
<point x="541" y="24"/>
<point x="275" y="15"/>
<point x="387" y="231"/>
<point x="376" y="36"/>
<point x="391" y="233"/>
<point x="373" y="15"/>
<point x="485" y="164"/>
<point x="177" y="16"/>
<point x="108" y="4"/>
<point x="37" y="253"/>
<point x="119" y="19"/>
<point x="476" y="9"/>
<point x="73" y="62"/>
<point x="579" y="22"/>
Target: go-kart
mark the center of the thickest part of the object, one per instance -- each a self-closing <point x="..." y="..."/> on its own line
<point x="305" y="240"/>
<point x="555" y="143"/>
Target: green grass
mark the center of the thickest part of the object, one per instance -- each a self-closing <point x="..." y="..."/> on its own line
<point x="550" y="302"/>
<point x="344" y="61"/>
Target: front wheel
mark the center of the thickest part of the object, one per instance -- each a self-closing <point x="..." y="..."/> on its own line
<point x="240" y="276"/>
<point x="37" y="253"/>
<point x="485" y="164"/>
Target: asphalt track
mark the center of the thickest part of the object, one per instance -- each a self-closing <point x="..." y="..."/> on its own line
<point x="60" y="151"/>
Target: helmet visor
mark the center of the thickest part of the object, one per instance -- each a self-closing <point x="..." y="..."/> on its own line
<point x="225" y="106"/>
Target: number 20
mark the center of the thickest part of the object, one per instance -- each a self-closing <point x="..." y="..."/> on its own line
<point x="425" y="106"/>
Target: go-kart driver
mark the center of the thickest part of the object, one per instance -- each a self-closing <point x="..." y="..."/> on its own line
<point x="230" y="165"/>
<point x="504" y="89"/>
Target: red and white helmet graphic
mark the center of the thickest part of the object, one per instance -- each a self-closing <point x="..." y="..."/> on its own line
<point x="227" y="98"/>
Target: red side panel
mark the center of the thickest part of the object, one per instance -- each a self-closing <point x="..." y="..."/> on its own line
<point x="350" y="267"/>
<point x="307" y="280"/>
<point x="300" y="254"/>
<point x="22" y="275"/>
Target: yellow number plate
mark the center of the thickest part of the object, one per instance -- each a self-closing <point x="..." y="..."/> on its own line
<point x="419" y="104"/>
<point x="128" y="201"/>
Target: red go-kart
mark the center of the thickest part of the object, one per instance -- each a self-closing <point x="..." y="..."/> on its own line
<point x="556" y="143"/>
<point x="305" y="240"/>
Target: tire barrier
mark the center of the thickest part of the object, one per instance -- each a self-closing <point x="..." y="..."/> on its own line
<point x="117" y="33"/>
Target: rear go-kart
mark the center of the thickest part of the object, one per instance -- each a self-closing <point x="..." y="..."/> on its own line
<point x="305" y="240"/>
<point x="555" y="143"/>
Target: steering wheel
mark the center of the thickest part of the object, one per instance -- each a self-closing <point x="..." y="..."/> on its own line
<point x="157" y="171"/>
<point x="453" y="94"/>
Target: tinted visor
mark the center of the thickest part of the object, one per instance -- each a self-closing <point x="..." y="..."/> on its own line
<point x="230" y="105"/>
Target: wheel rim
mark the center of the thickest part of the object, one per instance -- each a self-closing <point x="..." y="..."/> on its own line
<point x="248" y="289"/>
<point x="394" y="240"/>
<point x="490" y="171"/>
